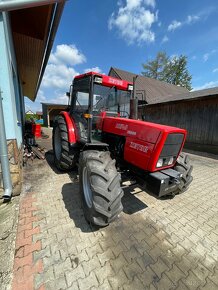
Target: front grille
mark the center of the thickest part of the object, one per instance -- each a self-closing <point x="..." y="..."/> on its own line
<point x="172" y="145"/>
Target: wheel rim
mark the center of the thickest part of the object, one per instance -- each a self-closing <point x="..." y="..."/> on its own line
<point x="57" y="143"/>
<point x="87" y="188"/>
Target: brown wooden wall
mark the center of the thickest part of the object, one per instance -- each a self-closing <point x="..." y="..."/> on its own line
<point x="198" y="117"/>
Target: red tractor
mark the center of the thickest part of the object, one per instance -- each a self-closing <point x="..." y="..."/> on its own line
<point x="100" y="133"/>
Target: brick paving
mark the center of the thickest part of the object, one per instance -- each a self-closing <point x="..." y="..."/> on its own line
<point x="155" y="244"/>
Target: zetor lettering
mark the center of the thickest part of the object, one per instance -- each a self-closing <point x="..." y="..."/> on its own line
<point x="138" y="147"/>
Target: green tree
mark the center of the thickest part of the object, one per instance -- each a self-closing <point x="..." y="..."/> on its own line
<point x="171" y="70"/>
<point x="155" y="68"/>
<point x="176" y="72"/>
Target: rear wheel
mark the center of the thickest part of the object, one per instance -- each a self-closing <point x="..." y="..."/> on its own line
<point x="100" y="187"/>
<point x="64" y="158"/>
<point x="185" y="168"/>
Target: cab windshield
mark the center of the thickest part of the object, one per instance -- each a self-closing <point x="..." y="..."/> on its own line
<point x="110" y="99"/>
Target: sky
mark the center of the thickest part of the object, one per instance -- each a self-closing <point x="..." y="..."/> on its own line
<point x="95" y="35"/>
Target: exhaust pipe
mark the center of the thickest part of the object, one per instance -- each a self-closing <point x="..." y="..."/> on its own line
<point x="134" y="102"/>
<point x="4" y="157"/>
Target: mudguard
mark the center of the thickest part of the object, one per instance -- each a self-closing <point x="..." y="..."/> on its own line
<point x="71" y="127"/>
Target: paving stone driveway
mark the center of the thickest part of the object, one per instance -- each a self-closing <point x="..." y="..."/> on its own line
<point x="155" y="244"/>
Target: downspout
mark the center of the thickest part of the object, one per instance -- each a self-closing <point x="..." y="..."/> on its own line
<point x="4" y="157"/>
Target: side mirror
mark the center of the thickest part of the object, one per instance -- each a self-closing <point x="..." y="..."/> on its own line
<point x="68" y="94"/>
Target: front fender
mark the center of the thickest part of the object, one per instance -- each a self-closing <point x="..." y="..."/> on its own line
<point x="71" y="127"/>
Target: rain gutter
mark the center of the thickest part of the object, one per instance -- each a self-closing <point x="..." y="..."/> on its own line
<point x="4" y="157"/>
<point x="58" y="10"/>
<point x="9" y="5"/>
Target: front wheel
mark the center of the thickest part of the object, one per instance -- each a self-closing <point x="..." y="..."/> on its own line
<point x="100" y="187"/>
<point x="184" y="166"/>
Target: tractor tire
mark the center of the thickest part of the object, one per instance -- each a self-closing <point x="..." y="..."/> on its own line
<point x="183" y="166"/>
<point x="64" y="159"/>
<point x="100" y="187"/>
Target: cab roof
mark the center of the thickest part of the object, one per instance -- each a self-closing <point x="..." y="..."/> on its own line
<point x="107" y="80"/>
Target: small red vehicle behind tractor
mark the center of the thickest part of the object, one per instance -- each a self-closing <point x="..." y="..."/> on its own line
<point x="100" y="133"/>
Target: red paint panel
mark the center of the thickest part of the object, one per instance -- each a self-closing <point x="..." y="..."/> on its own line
<point x="133" y="128"/>
<point x="91" y="73"/>
<point x="138" y="152"/>
<point x="142" y="134"/>
<point x="70" y="127"/>
<point x="108" y="80"/>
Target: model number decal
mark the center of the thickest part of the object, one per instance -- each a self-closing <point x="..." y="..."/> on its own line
<point x="121" y="126"/>
<point x="131" y="132"/>
<point x="138" y="147"/>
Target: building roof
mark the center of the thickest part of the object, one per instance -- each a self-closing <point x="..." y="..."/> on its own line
<point x="200" y="94"/>
<point x="151" y="90"/>
<point x="33" y="31"/>
<point x="30" y="112"/>
<point x="54" y="105"/>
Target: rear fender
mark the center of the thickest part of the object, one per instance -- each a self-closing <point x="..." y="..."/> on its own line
<point x="71" y="127"/>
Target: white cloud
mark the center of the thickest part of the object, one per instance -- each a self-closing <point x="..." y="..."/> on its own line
<point x="207" y="55"/>
<point x="131" y="4"/>
<point x="165" y="39"/>
<point x="134" y="21"/>
<point x="207" y="85"/>
<point x="150" y="2"/>
<point x="60" y="72"/>
<point x="67" y="54"/>
<point x="174" y="25"/>
<point x="60" y="98"/>
<point x="215" y="70"/>
<point x="58" y="76"/>
<point x="40" y="96"/>
<point x="95" y="69"/>
<point x="191" y="19"/>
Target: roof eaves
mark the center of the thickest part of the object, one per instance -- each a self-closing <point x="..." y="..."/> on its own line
<point x="52" y="32"/>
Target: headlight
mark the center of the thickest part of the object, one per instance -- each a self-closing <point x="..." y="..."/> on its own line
<point x="170" y="161"/>
<point x="130" y="87"/>
<point x="159" y="162"/>
<point x="98" y="80"/>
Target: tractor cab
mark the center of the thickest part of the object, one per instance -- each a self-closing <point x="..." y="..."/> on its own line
<point x="93" y="96"/>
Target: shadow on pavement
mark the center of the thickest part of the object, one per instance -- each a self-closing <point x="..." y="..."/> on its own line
<point x="50" y="160"/>
<point x="72" y="201"/>
<point x="132" y="204"/>
<point x="73" y="174"/>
